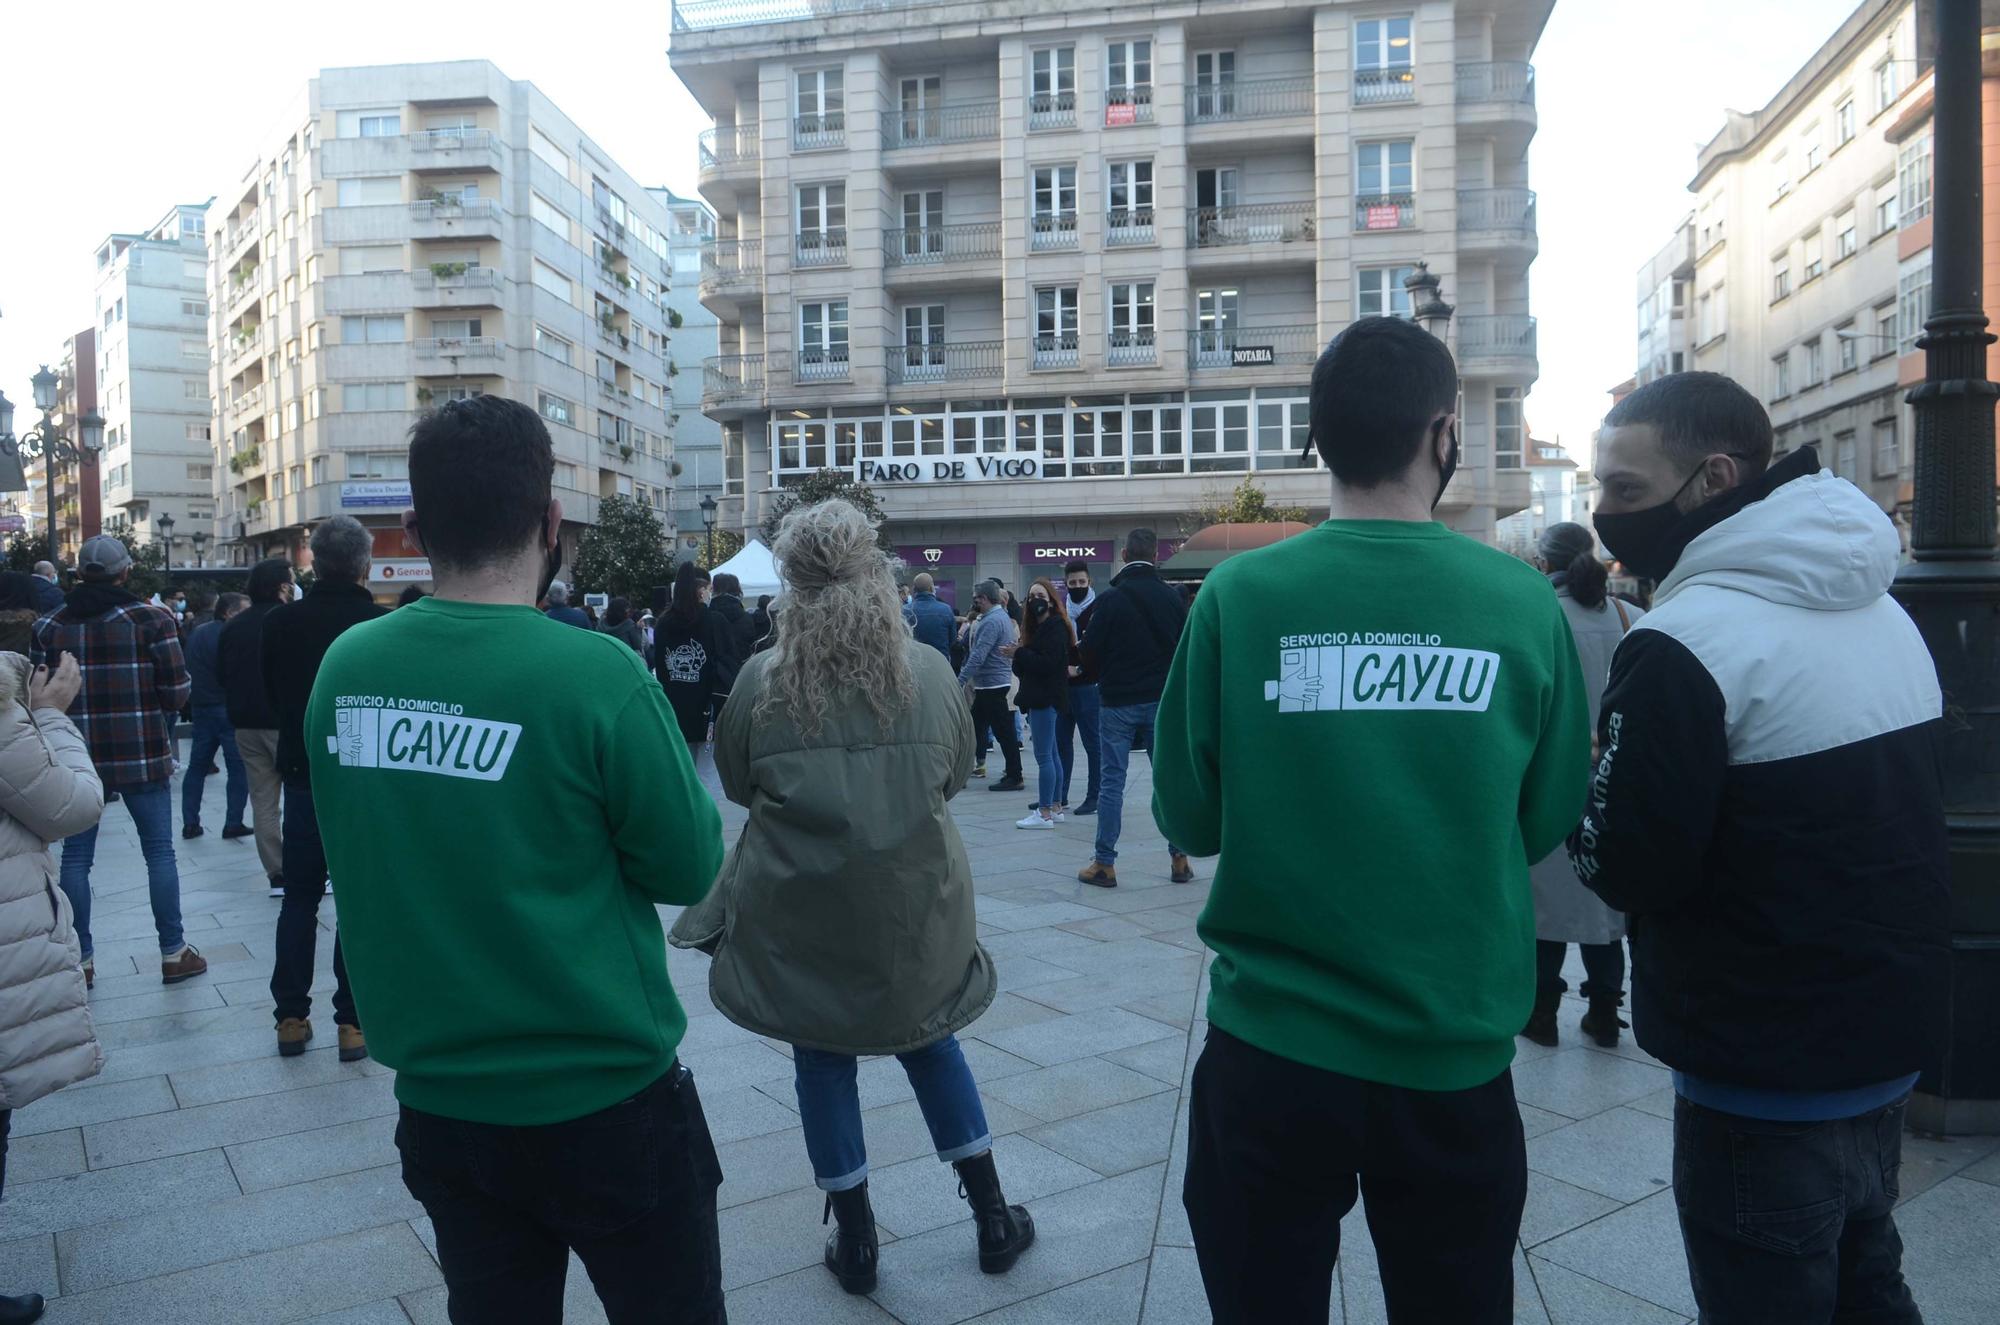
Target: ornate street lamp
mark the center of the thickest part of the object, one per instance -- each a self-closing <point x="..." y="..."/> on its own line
<point x="1427" y="306"/>
<point x="45" y="439"/>
<point x="200" y="540"/>
<point x="166" y="524"/>
<point x="708" y="523"/>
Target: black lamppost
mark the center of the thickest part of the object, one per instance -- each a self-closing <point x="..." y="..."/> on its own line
<point x="1952" y="589"/>
<point x="1427" y="306"/>
<point x="45" y="439"/>
<point x="166" y="524"/>
<point x="200" y="540"/>
<point x="708" y="523"/>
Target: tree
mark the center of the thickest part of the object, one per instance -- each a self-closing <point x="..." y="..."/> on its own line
<point x="625" y="553"/>
<point x="24" y="551"/>
<point x="149" y="567"/>
<point x="825" y="485"/>
<point x="1247" y="504"/>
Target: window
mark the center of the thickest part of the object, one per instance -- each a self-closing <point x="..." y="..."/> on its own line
<point x="277" y="482"/>
<point x="384" y="123"/>
<point x="1052" y="87"/>
<point x="1813" y="148"/>
<point x="1385" y="185"/>
<point x="1128" y="81"/>
<point x="194" y="308"/>
<point x="193" y="388"/>
<point x="822" y="233"/>
<point x="548" y="214"/>
<point x="1382" y="64"/>
<point x="1131" y="323"/>
<point x="360" y="259"/>
<point x="557" y="284"/>
<point x="1055" y="326"/>
<point x="119" y="310"/>
<point x="200" y="473"/>
<point x="1843" y="124"/>
<point x="1885" y="83"/>
<point x="1053" y="223"/>
<point x="923" y="343"/>
<point x="195" y="432"/>
<point x="1885" y="209"/>
<point x="1214" y="88"/>
<point x="1885" y="332"/>
<point x="294" y="415"/>
<point x="318" y="467"/>
<point x="312" y="270"/>
<point x="545" y="147"/>
<point x="457" y="328"/>
<point x="1130" y="196"/>
<point x="1815" y="245"/>
<point x="375" y="329"/>
<point x="358" y="396"/>
<point x="381" y="464"/>
<point x="1843" y="236"/>
<point x="1781" y="176"/>
<point x="920" y="100"/>
<point x="291" y="351"/>
<point x="1846" y="351"/>
<point x="555" y="408"/>
<point x="822" y="341"/>
<point x="1215" y="326"/>
<point x="1781" y="375"/>
<point x="1781" y="277"/>
<point x="1913" y="301"/>
<point x="1913" y="180"/>
<point x="194" y="269"/>
<point x="370" y="191"/>
<point x="1845" y="462"/>
<point x="820" y="108"/>
<point x="192" y="348"/>
<point x="1888" y="452"/>
<point x="1379" y="292"/>
<point x="1507" y="427"/>
<point x="1814" y="354"/>
<point x="556" y="347"/>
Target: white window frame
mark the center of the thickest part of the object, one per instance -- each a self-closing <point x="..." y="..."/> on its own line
<point x="1781" y="375"/>
<point x="823" y="244"/>
<point x="1843" y="122"/>
<point x="1392" y="297"/>
<point x="1847" y="348"/>
<point x="1128" y="76"/>
<point x="1052" y="206"/>
<point x="1781" y="276"/>
<point x="825" y="124"/>
<point x="824" y="347"/>
<point x="1510" y="428"/>
<point x="1051" y="87"/>
<point x="1388" y="75"/>
<point x="1846" y="243"/>
<point x="1057" y="326"/>
<point x="1885" y="444"/>
<point x="1131" y="331"/>
<point x="1129" y="221"/>
<point x="1218" y="312"/>
<point x="1913" y="180"/>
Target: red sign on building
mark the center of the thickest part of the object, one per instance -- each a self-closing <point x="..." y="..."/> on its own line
<point x="1119" y="113"/>
<point x="1388" y="217"/>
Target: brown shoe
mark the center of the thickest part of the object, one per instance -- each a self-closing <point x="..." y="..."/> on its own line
<point x="293" y="1032"/>
<point x="185" y="966"/>
<point x="1183" y="869"/>
<point x="1098" y="876"/>
<point x="89" y="973"/>
<point x="353" y="1045"/>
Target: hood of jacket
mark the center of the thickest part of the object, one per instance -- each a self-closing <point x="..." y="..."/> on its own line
<point x="14" y="670"/>
<point x="1813" y="541"/>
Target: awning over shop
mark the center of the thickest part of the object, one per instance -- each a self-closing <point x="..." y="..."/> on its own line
<point x="1219" y="542"/>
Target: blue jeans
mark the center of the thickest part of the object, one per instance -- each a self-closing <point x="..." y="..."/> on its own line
<point x="152" y="810"/>
<point x="1048" y="767"/>
<point x="1118" y="729"/>
<point x="831" y="1110"/>
<point x="1080" y="716"/>
<point x="212" y="732"/>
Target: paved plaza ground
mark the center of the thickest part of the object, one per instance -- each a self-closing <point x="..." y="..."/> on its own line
<point x="202" y="1179"/>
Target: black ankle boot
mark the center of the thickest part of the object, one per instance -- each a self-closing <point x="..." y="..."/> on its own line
<point x="852" y="1249"/>
<point x="20" y="1310"/>
<point x="1005" y="1231"/>
<point x="1541" y="1027"/>
<point x="1602" y="1022"/>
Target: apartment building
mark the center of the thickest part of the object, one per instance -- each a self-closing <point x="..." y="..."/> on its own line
<point x="1039" y="274"/>
<point x="1552" y="499"/>
<point x="157" y="471"/>
<point x="415" y="234"/>
<point x="1803" y="290"/>
<point x="697" y="438"/>
<point x="78" y="507"/>
<point x="1665" y="306"/>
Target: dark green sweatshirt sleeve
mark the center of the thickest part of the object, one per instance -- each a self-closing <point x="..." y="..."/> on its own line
<point x="1187" y="736"/>
<point x="667" y="831"/>
<point x="1553" y="790"/>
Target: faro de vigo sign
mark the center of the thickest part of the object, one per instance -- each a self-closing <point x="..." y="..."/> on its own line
<point x="970" y="469"/>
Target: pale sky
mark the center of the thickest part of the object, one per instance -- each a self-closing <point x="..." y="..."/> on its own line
<point x="111" y="113"/>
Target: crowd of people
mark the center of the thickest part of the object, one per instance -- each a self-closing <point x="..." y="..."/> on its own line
<point x="1482" y="762"/>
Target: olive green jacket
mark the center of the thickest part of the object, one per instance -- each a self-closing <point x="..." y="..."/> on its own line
<point x="843" y="920"/>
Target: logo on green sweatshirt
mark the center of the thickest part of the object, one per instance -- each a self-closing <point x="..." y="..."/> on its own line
<point x="1330" y="672"/>
<point x="420" y="736"/>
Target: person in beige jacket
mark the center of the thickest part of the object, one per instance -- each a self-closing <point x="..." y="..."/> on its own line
<point x="48" y="791"/>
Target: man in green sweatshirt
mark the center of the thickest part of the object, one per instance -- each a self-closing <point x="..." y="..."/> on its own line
<point x="505" y="801"/>
<point x="1377" y="725"/>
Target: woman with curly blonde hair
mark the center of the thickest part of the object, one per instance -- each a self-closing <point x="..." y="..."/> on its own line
<point x="842" y="922"/>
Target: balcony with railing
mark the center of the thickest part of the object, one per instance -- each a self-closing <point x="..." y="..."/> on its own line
<point x="963" y="361"/>
<point x="1130" y="347"/>
<point x="459" y="354"/>
<point x="731" y="264"/>
<point x="1497" y="345"/>
<point x="1052" y="110"/>
<point x="453" y="218"/>
<point x="940" y="245"/>
<point x="1254" y="99"/>
<point x="1264" y="225"/>
<point x="1497" y="221"/>
<point x="1126" y="227"/>
<point x="972" y="122"/>
<point x="1212" y="349"/>
<point x="454" y="149"/>
<point x="1499" y="98"/>
<point x="820" y="248"/>
<point x="247" y="401"/>
<point x="821" y="129"/>
<point x="1050" y="232"/>
<point x="727" y="146"/>
<point x="1385" y="211"/>
<point x="822" y="363"/>
<point x="1128" y="104"/>
<point x="445" y="284"/>
<point x="732" y="379"/>
<point x="1056" y="350"/>
<point x="1385" y="85"/>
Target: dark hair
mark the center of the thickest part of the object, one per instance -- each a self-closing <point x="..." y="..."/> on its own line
<point x="480" y="471"/>
<point x="267" y="577"/>
<point x="687" y="591"/>
<point x="1376" y="391"/>
<point x="724" y="582"/>
<point x="1142" y="545"/>
<point x="1699" y="415"/>
<point x="1074" y="567"/>
<point x="617" y="610"/>
<point x="411" y="593"/>
<point x="229" y="604"/>
<point x="1057" y="612"/>
<point x="1571" y="548"/>
<point x="763" y="601"/>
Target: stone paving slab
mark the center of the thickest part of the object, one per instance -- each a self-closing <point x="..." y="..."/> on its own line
<point x="202" y="1178"/>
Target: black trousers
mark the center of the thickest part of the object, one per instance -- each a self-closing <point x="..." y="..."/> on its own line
<point x="1603" y="968"/>
<point x="1276" y="1152"/>
<point x="990" y="713"/>
<point x="1792" y="1221"/>
<point x="298" y="915"/>
<point x="630" y="1189"/>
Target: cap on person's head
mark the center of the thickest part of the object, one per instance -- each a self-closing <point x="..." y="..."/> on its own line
<point x="103" y="558"/>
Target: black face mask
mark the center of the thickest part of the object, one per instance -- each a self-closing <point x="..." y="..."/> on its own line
<point x="551" y="565"/>
<point x="1038" y="608"/>
<point x="1450" y="465"/>
<point x="1642" y="540"/>
<point x="1077" y="595"/>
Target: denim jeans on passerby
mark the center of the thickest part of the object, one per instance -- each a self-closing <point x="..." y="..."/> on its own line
<point x="830" y="1109"/>
<point x="212" y="733"/>
<point x="152" y="811"/>
<point x="1048" y="768"/>
<point x="1603" y="968"/>
<point x="631" y="1189"/>
<point x="1118" y="730"/>
<point x="298" y="916"/>
<point x="1792" y="1221"/>
<point x="1079" y="719"/>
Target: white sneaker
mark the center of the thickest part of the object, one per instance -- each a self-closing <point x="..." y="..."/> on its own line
<point x="1036" y="821"/>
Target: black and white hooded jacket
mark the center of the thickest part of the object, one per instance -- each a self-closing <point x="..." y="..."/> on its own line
<point x="1768" y="808"/>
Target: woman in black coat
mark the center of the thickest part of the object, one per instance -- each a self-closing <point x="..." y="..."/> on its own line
<point x="618" y="621"/>
<point x="1042" y="661"/>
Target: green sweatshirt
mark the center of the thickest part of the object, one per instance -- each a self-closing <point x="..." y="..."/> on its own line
<point x="1378" y="725"/>
<point x="505" y="799"/>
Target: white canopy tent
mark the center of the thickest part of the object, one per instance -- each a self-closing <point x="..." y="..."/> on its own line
<point x="756" y="568"/>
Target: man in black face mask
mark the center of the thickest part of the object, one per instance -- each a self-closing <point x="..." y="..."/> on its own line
<point x="1085" y="704"/>
<point x="1767" y="810"/>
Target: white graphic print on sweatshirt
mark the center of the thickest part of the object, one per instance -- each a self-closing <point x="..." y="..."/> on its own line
<point x="420" y="736"/>
<point x="1332" y="671"/>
